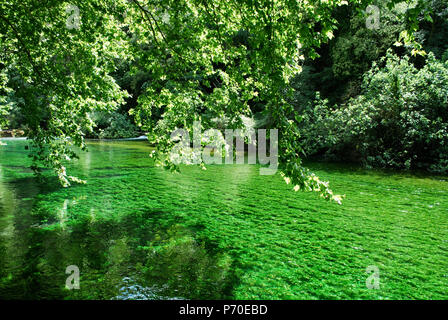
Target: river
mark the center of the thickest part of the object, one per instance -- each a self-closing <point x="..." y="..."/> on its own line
<point x="135" y="231"/>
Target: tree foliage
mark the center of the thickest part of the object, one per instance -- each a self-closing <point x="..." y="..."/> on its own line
<point x="59" y="74"/>
<point x="400" y="120"/>
<point x="111" y="125"/>
<point x="204" y="60"/>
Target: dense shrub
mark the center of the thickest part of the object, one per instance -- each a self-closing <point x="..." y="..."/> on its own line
<point x="112" y="126"/>
<point x="400" y="120"/>
<point x="5" y="104"/>
<point x="3" y="114"/>
<point x="434" y="33"/>
<point x="337" y="73"/>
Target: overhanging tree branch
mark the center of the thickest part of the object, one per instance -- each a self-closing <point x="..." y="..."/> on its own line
<point x="150" y="17"/>
<point x="22" y="43"/>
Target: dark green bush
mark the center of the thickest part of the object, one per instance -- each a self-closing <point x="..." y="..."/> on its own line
<point x="400" y="120"/>
<point x="112" y="126"/>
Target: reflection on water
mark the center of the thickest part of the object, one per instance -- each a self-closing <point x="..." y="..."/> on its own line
<point x="118" y="259"/>
<point x="130" y="290"/>
<point x="136" y="255"/>
<point x="138" y="232"/>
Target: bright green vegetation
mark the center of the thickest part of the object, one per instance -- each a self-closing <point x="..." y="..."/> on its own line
<point x="335" y="89"/>
<point x="400" y="120"/>
<point x="226" y="232"/>
<point x="167" y="63"/>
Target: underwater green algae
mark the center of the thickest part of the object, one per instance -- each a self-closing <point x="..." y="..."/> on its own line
<point x="138" y="232"/>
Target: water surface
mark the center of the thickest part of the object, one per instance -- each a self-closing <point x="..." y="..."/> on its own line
<point x="138" y="232"/>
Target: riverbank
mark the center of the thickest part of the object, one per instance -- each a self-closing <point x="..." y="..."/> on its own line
<point x="140" y="138"/>
<point x="14" y="133"/>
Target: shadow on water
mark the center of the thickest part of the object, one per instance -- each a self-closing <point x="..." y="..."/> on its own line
<point x="144" y="255"/>
<point x="20" y="245"/>
<point x="122" y="252"/>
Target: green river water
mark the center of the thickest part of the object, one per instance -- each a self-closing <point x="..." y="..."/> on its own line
<point x="136" y="231"/>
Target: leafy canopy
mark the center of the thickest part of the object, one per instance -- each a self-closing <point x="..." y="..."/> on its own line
<point x="206" y="60"/>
